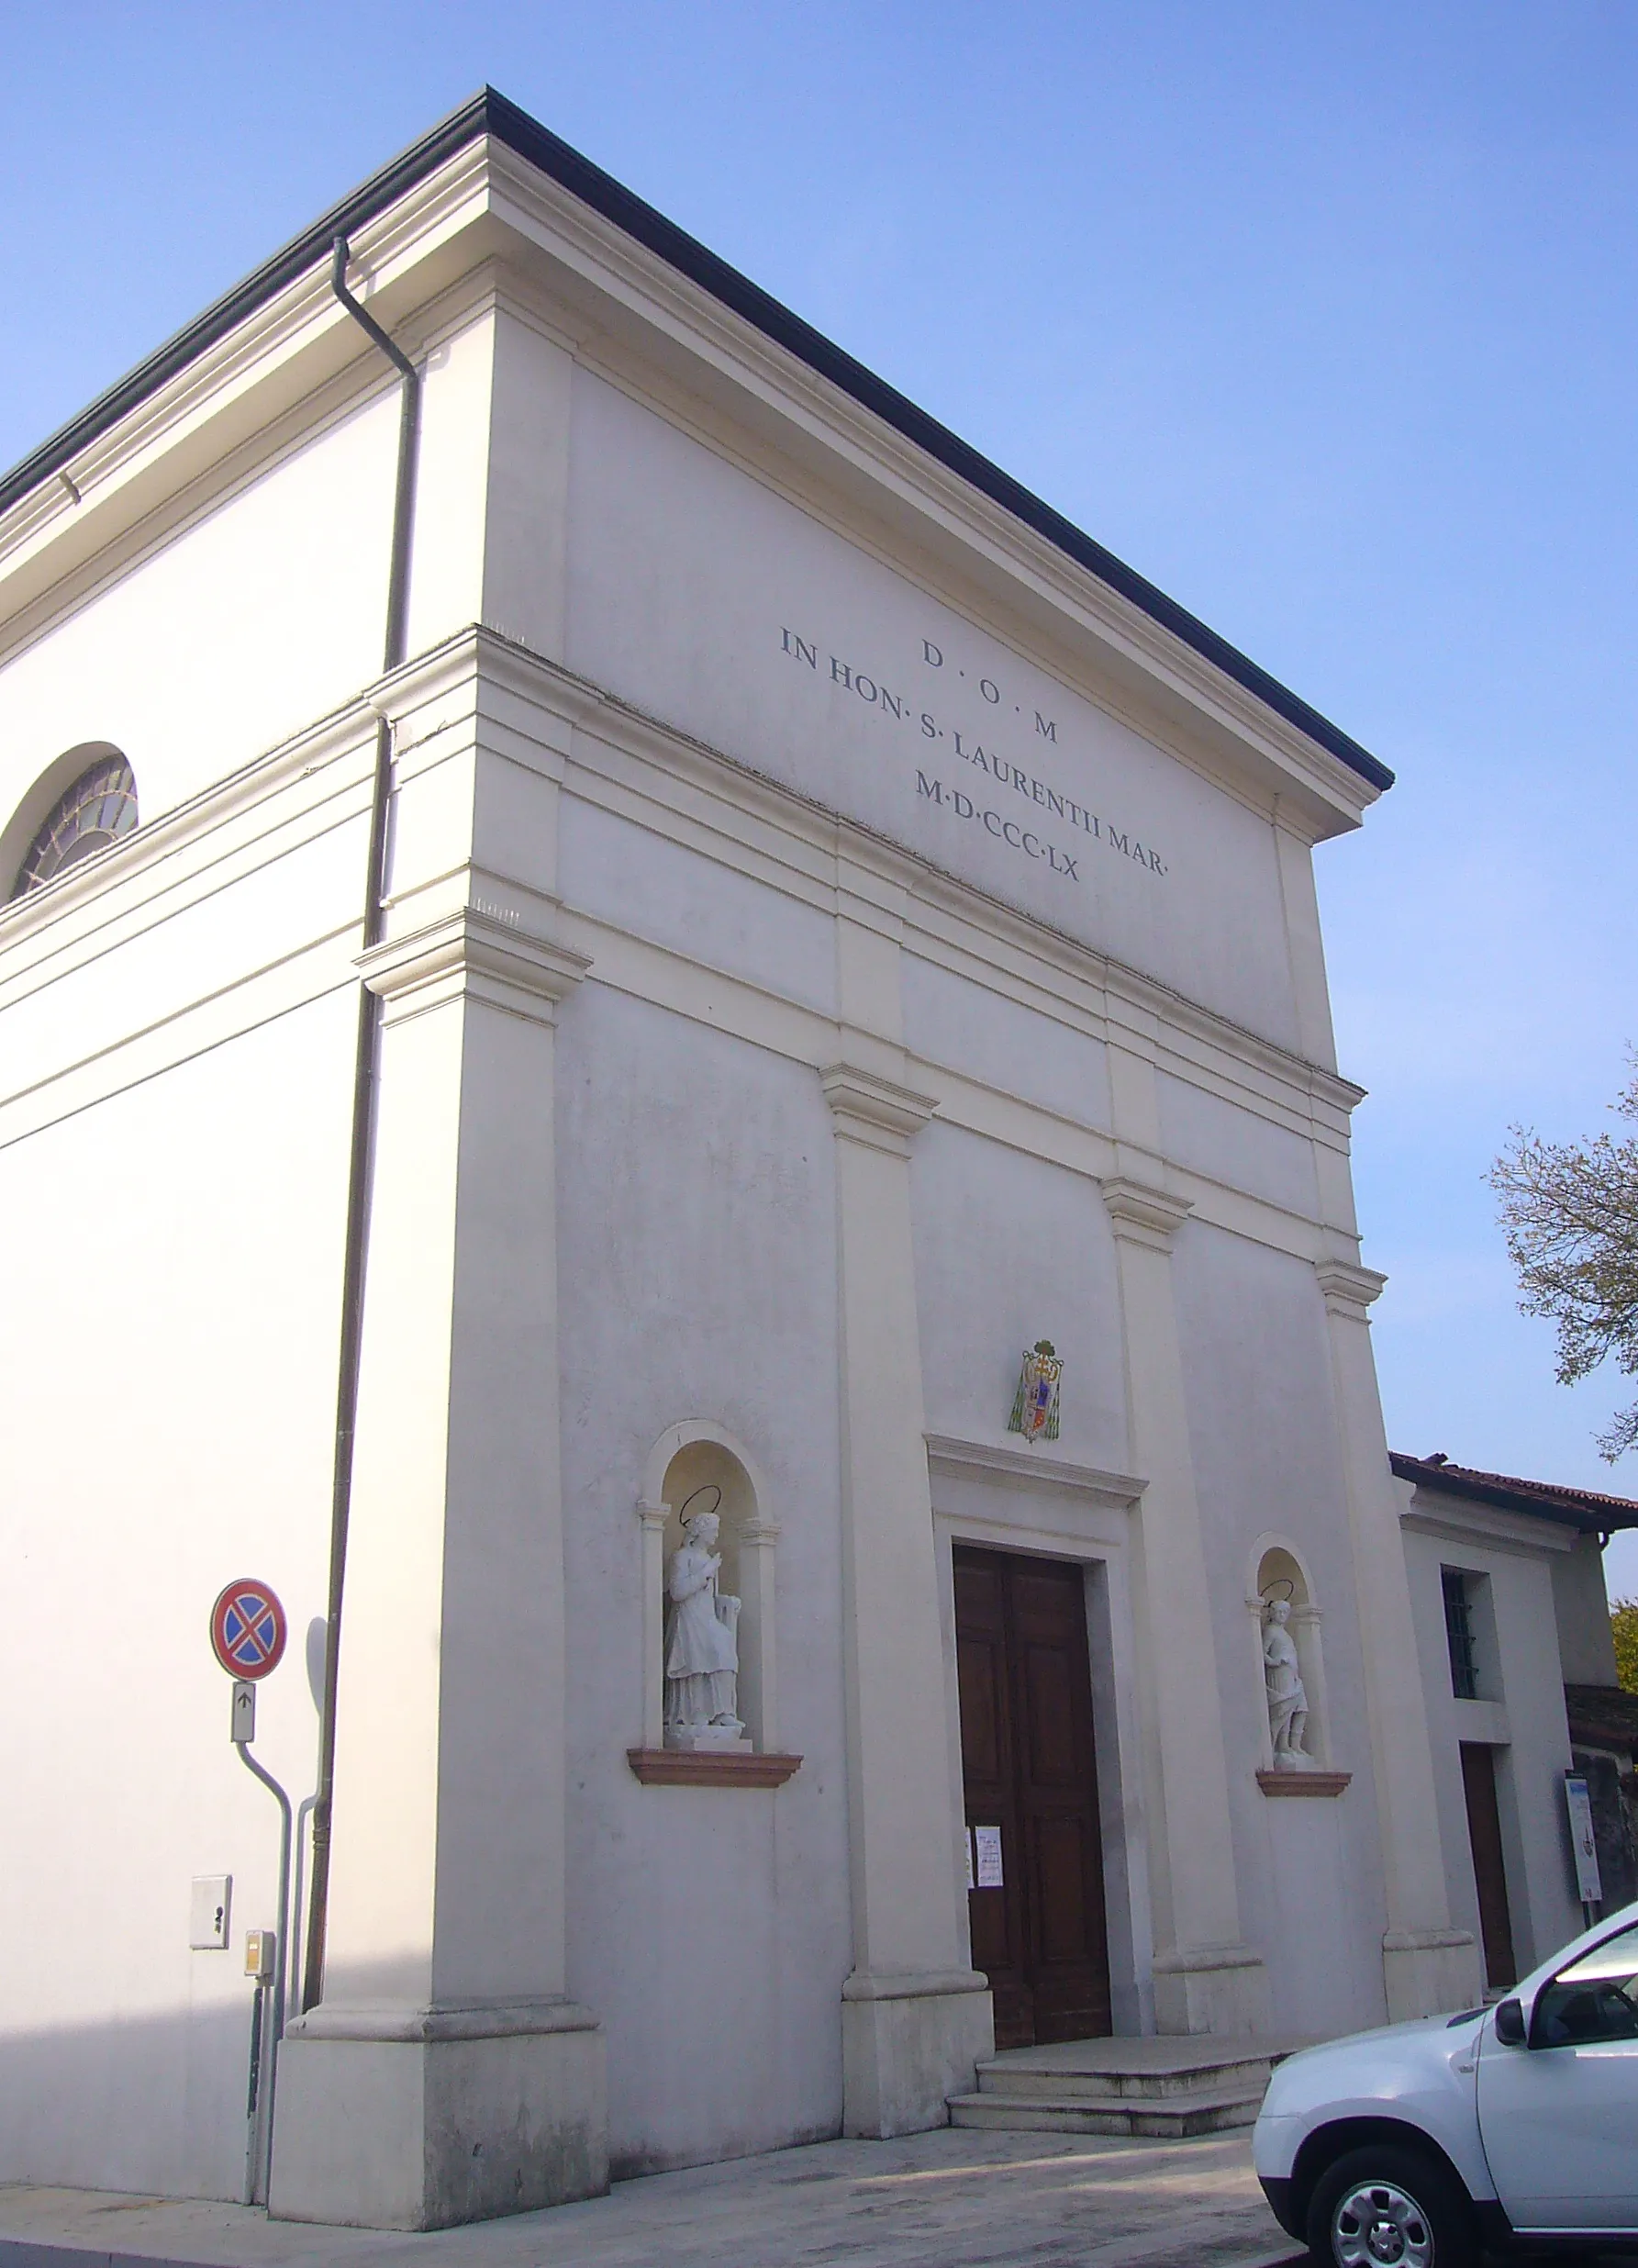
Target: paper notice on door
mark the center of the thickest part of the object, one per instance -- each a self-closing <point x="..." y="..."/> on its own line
<point x="989" y="1841"/>
<point x="972" y="1878"/>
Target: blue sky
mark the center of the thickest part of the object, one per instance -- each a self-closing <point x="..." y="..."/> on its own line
<point x="1324" y="317"/>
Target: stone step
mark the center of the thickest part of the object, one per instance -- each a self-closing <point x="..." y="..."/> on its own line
<point x="1174" y="2118"/>
<point x="1239" y="2074"/>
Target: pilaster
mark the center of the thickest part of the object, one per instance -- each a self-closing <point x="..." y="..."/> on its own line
<point x="1427" y="1964"/>
<point x="446" y="2073"/>
<point x="1205" y="1979"/>
<point x="916" y="2016"/>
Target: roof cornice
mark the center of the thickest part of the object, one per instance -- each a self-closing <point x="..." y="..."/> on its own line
<point x="1580" y="1508"/>
<point x="491" y="114"/>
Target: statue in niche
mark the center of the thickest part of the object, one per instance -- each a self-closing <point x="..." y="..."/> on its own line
<point x="1287" y="1702"/>
<point x="702" y="1654"/>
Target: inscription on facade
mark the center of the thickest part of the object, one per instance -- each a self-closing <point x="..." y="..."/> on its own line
<point x="990" y="746"/>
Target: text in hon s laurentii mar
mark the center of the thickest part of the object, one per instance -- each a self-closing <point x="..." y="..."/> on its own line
<point x="973" y="772"/>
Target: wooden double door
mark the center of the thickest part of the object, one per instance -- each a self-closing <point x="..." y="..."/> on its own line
<point x="1031" y="1776"/>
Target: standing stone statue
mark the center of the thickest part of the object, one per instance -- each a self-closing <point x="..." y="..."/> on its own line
<point x="1287" y="1702"/>
<point x="702" y="1654"/>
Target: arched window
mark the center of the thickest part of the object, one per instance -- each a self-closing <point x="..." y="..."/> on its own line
<point x="96" y="810"/>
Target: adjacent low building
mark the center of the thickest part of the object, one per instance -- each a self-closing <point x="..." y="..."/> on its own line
<point x="1517" y="1664"/>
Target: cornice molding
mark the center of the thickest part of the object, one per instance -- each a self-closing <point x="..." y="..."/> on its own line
<point x="273" y="359"/>
<point x="1038" y="1466"/>
<point x="1458" y="1517"/>
<point x="874" y="1111"/>
<point x="470" y="954"/>
<point x="1142" y="1215"/>
<point x="730" y="346"/>
<point x="480" y="682"/>
<point x="628" y="300"/>
<point x="1349" y="1289"/>
<point x="590" y="706"/>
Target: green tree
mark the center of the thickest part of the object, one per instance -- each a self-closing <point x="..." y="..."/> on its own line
<point x="1571" y="1216"/>
<point x="1623" y="1626"/>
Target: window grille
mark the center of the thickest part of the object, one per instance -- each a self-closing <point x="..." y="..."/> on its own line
<point x="1458" y="1634"/>
<point x="98" y="809"/>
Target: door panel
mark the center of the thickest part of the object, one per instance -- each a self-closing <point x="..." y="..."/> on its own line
<point x="1489" y="1871"/>
<point x="987" y="1752"/>
<point x="980" y="1680"/>
<point x="1053" y="1759"/>
<point x="1030" y="1768"/>
<point x="1559" y="2119"/>
<point x="1062" y="1891"/>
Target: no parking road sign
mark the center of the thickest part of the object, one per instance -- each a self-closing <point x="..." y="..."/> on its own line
<point x="246" y="1628"/>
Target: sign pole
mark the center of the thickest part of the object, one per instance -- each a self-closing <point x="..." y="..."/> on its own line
<point x="242" y="1735"/>
<point x="247" y="1631"/>
<point x="1583" y="1846"/>
<point x="253" y="2100"/>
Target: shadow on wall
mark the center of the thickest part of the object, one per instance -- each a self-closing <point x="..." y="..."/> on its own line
<point x="154" y="2102"/>
<point x="155" y="2105"/>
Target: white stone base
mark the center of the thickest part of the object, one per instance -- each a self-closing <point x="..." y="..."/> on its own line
<point x="709" y="1739"/>
<point x="423" y="2119"/>
<point x="1211" y="1988"/>
<point x="908" y="2044"/>
<point x="1430" y="1972"/>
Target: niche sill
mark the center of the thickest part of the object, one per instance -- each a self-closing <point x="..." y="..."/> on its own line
<point x="697" y="1768"/>
<point x="1303" y="1783"/>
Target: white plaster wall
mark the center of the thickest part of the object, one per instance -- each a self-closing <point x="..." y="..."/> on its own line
<point x="1202" y="1131"/>
<point x="686" y="573"/>
<point x="264" y="614"/>
<point x="1017" y="1050"/>
<point x="709" y="1928"/>
<point x="81" y="1005"/>
<point x="1521" y="1713"/>
<point x="264" y="607"/>
<point x="1581" y="1609"/>
<point x="167" y="1386"/>
<point x="1011" y="1249"/>
<point x="1262" y="1432"/>
<point x="661" y="890"/>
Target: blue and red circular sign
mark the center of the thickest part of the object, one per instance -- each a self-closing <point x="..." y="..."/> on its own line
<point x="247" y="1629"/>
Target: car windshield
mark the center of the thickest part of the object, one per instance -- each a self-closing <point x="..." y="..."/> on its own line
<point x="1595" y="1998"/>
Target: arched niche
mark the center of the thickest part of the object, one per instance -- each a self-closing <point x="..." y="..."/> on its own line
<point x="696" y="1460"/>
<point x="1279" y="1571"/>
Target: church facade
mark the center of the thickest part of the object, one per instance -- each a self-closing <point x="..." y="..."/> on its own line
<point x="610" y="930"/>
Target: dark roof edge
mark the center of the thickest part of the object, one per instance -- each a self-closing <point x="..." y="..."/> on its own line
<point x="491" y="112"/>
<point x="1592" y="1520"/>
<point x="273" y="276"/>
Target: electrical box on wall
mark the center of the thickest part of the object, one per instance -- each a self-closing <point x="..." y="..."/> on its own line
<point x="209" y="1912"/>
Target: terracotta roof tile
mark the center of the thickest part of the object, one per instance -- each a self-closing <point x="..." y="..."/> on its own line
<point x="1582" y="1508"/>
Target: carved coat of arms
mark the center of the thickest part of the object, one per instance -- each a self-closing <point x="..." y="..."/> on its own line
<point x="1035" y="1404"/>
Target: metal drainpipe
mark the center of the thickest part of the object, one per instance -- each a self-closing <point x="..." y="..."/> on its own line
<point x="365" y="1065"/>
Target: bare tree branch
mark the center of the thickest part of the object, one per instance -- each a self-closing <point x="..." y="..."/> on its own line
<point x="1570" y="1217"/>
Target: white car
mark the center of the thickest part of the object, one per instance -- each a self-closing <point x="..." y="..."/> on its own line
<point x="1418" y="2146"/>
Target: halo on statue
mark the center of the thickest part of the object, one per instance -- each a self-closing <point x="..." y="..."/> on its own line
<point x="711" y="1490"/>
<point x="1283" y="1589"/>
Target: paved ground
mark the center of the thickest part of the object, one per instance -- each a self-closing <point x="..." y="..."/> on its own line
<point x="941" y="2200"/>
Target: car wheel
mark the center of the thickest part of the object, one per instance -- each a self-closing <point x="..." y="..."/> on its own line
<point x="1389" y="2207"/>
